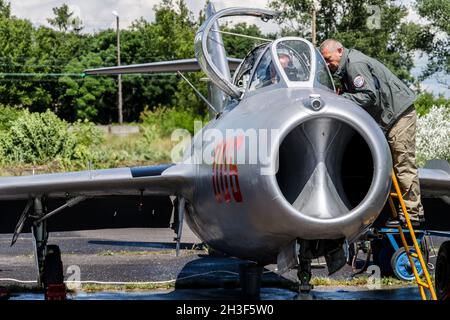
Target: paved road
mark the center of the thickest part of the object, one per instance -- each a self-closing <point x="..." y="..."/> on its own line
<point x="148" y="255"/>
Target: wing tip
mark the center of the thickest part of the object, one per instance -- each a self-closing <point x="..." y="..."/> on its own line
<point x="438" y="164"/>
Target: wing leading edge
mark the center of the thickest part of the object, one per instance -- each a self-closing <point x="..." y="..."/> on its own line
<point x="158" y="180"/>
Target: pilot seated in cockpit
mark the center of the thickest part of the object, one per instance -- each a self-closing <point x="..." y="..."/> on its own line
<point x="285" y="60"/>
<point x="287" y="63"/>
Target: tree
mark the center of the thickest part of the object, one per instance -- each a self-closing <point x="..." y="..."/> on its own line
<point x="64" y="20"/>
<point x="5" y="9"/>
<point x="374" y="27"/>
<point x="16" y="39"/>
<point x="437" y="12"/>
<point x="40" y="67"/>
<point x="236" y="46"/>
<point x="174" y="29"/>
<point x="86" y="98"/>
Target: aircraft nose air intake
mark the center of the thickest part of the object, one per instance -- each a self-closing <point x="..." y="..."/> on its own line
<point x="319" y="196"/>
<point x="325" y="168"/>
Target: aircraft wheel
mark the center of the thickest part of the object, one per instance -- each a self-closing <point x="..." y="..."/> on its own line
<point x="53" y="275"/>
<point x="442" y="282"/>
<point x="425" y="248"/>
<point x="351" y="253"/>
<point x="382" y="252"/>
<point x="53" y="267"/>
<point x="401" y="266"/>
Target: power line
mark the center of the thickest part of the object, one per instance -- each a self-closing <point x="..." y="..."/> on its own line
<point x="78" y="77"/>
<point x="5" y="74"/>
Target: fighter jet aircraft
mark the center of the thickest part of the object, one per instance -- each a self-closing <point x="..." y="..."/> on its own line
<point x="284" y="172"/>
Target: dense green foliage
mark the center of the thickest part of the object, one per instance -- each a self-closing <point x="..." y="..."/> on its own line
<point x="388" y="39"/>
<point x="165" y="120"/>
<point x="40" y="138"/>
<point x="426" y="101"/>
<point x="437" y="13"/>
<point x="41" y="68"/>
<point x="44" y="142"/>
<point x="41" y="80"/>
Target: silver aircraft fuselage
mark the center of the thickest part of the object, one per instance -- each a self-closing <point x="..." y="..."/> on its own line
<point x="248" y="210"/>
<point x="320" y="171"/>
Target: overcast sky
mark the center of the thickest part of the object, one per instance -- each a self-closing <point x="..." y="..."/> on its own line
<point x="97" y="15"/>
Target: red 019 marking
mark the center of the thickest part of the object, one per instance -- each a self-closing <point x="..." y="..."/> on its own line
<point x="225" y="178"/>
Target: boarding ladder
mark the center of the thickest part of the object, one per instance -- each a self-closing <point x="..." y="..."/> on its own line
<point x="418" y="254"/>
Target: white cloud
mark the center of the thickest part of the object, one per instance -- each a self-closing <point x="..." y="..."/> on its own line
<point x="96" y="14"/>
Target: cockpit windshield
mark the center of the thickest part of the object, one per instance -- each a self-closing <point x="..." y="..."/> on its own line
<point x="295" y="59"/>
<point x="291" y="61"/>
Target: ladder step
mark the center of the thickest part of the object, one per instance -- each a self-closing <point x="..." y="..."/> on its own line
<point x="428" y="285"/>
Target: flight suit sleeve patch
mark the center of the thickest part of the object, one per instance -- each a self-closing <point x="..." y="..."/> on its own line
<point x="359" y="81"/>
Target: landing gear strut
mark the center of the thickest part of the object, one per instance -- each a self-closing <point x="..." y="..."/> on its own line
<point x="304" y="276"/>
<point x="40" y="234"/>
<point x="48" y="257"/>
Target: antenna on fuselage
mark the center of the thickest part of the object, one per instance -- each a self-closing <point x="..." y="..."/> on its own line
<point x="199" y="94"/>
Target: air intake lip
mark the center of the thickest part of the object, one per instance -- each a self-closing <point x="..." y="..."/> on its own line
<point x="314" y="157"/>
<point x="319" y="135"/>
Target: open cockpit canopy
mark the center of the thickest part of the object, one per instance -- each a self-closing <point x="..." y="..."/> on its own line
<point x="289" y="62"/>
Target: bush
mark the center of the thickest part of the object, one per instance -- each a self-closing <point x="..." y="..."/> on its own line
<point x="42" y="138"/>
<point x="8" y="115"/>
<point x="425" y="101"/>
<point x="86" y="133"/>
<point x="433" y="135"/>
<point x="165" y="120"/>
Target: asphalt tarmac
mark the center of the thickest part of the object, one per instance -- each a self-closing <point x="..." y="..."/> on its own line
<point x="118" y="256"/>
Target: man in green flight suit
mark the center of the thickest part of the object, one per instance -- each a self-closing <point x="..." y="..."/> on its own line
<point x="390" y="102"/>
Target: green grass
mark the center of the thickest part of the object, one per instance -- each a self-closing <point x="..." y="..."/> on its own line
<point x="128" y="287"/>
<point x="359" y="282"/>
<point x="386" y="282"/>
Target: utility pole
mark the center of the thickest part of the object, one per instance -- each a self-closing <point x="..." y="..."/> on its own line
<point x="315" y="8"/>
<point x="313" y="26"/>
<point x="119" y="77"/>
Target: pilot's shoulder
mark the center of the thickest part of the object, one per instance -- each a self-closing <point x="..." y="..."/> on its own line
<point x="355" y="56"/>
<point x="358" y="67"/>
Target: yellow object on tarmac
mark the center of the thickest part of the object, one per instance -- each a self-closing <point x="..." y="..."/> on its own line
<point x="418" y="254"/>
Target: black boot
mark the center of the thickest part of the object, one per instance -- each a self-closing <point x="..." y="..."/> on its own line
<point x="400" y="221"/>
<point x="392" y="223"/>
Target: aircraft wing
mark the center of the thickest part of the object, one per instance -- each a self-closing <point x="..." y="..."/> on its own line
<point x="183" y="65"/>
<point x="435" y="178"/>
<point x="158" y="180"/>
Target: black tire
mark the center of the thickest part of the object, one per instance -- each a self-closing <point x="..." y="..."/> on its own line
<point x="425" y="248"/>
<point x="216" y="253"/>
<point x="382" y="252"/>
<point x="442" y="282"/>
<point x="351" y="253"/>
<point x="53" y="267"/>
